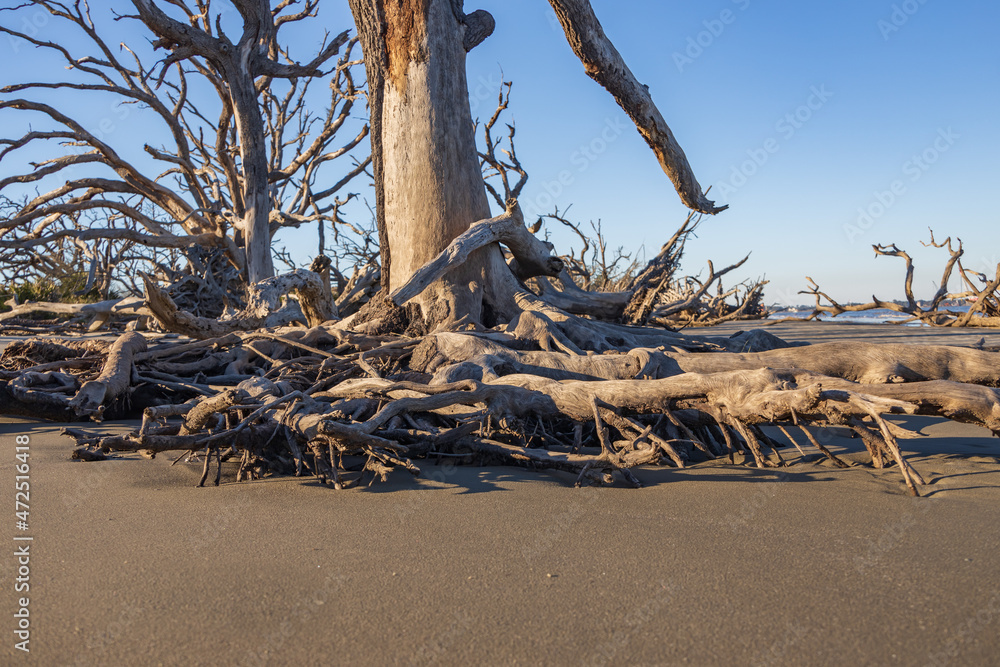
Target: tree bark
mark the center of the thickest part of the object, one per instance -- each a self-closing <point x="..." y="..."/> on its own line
<point x="114" y="380"/>
<point x="241" y="63"/>
<point x="264" y="308"/>
<point x="253" y="153"/>
<point x="429" y="186"/>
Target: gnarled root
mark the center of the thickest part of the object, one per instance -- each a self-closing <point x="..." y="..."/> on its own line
<point x="315" y="305"/>
<point x="348" y="408"/>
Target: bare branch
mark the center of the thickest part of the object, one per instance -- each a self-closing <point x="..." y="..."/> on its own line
<point x="605" y="65"/>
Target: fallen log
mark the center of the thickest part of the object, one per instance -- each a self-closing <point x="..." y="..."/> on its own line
<point x="264" y="307"/>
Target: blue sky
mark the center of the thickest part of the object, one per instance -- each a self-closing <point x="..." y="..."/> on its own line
<point x="725" y="75"/>
<point x="826" y="127"/>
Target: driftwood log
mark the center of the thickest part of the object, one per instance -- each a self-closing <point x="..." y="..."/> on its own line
<point x="315" y="305"/>
<point x="457" y="356"/>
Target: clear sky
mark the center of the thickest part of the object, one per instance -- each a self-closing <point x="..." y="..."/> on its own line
<point x="826" y="127"/>
<point x="868" y="84"/>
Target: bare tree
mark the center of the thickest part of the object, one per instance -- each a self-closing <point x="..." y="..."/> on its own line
<point x="415" y="64"/>
<point x="658" y="293"/>
<point x="231" y="177"/>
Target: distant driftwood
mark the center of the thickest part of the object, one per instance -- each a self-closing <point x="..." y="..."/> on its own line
<point x="980" y="293"/>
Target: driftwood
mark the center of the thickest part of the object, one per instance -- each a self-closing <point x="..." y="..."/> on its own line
<point x="981" y="293"/>
<point x="114" y="380"/>
<point x="517" y="369"/>
<point x="315" y="305"/>
<point x="348" y="408"/>
<point x="97" y="313"/>
<point x="33" y="386"/>
<point x="595" y="283"/>
<point x="605" y="65"/>
<point x="531" y="256"/>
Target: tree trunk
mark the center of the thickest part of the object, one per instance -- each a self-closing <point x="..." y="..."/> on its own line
<point x="429" y="187"/>
<point x="253" y="154"/>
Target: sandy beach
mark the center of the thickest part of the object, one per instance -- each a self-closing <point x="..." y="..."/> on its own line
<point x="714" y="564"/>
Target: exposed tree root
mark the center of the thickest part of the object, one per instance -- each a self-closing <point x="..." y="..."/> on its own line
<point x="349" y="408"/>
<point x="264" y="308"/>
<point x="96" y="313"/>
<point x="114" y="380"/>
<point x="350" y="401"/>
<point x="485" y="350"/>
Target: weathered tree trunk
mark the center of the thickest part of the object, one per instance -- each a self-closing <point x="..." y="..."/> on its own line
<point x="429" y="186"/>
<point x="253" y="154"/>
<point x="241" y="63"/>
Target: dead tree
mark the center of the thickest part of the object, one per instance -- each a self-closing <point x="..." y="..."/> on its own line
<point x="610" y="284"/>
<point x="236" y="172"/>
<point x="980" y="294"/>
<point x="415" y="64"/>
<point x="459" y="358"/>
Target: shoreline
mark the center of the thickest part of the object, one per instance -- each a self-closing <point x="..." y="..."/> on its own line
<point x="822" y="332"/>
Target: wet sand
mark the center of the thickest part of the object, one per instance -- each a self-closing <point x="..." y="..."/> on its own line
<point x="715" y="564"/>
